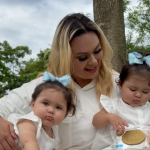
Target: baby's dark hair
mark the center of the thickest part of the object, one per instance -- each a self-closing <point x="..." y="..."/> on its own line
<point x="67" y="92"/>
<point x="142" y="70"/>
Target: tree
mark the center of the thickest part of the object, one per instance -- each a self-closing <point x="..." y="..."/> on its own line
<point x="138" y="24"/>
<point x="36" y="65"/>
<point x="13" y="71"/>
<point x="33" y="67"/>
<point x="108" y="14"/>
<point x="10" y="62"/>
<point x="125" y="4"/>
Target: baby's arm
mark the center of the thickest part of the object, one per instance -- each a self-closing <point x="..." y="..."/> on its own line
<point x="103" y="118"/>
<point x="27" y="133"/>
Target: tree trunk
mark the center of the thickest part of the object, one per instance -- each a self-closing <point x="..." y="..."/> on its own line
<point x="108" y="14"/>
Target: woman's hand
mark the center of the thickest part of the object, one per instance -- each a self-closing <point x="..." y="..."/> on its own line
<point x="117" y="122"/>
<point x="7" y="134"/>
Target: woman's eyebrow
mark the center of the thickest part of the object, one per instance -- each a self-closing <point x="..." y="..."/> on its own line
<point x="97" y="46"/>
<point x="87" y="52"/>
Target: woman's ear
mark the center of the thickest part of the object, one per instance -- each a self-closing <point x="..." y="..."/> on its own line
<point x="32" y="104"/>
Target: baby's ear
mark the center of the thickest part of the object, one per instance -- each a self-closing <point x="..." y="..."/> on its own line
<point x="32" y="104"/>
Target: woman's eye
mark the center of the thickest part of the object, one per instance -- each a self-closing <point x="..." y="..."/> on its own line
<point x="45" y="103"/>
<point x="98" y="51"/>
<point x="82" y="58"/>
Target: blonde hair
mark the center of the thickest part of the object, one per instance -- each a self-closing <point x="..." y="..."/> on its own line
<point x="60" y="62"/>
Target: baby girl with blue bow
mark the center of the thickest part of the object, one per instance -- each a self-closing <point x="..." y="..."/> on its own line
<point x="51" y="102"/>
<point x="131" y="110"/>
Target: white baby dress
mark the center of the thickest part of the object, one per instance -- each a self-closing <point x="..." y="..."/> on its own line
<point x="134" y="116"/>
<point x="43" y="140"/>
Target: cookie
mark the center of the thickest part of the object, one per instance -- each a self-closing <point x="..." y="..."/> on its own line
<point x="133" y="137"/>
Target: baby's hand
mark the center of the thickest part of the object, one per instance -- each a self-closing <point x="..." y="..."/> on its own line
<point x="117" y="122"/>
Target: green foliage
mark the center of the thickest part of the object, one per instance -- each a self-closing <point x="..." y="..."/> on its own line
<point x="10" y="62"/>
<point x="33" y="67"/>
<point x="139" y="27"/>
<point x="36" y="65"/>
<point x="13" y="71"/>
<point x="16" y="81"/>
<point x="125" y="4"/>
<point x="132" y="45"/>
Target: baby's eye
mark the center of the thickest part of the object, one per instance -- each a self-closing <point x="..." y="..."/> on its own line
<point x="132" y="89"/>
<point x="98" y="51"/>
<point x="45" y="103"/>
<point x="83" y="58"/>
<point x="59" y="108"/>
<point x="145" y="92"/>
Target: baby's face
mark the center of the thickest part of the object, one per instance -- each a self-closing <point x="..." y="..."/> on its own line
<point x="135" y="91"/>
<point x="50" y="106"/>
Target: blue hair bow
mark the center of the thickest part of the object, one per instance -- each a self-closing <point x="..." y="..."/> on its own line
<point x="65" y="80"/>
<point x="137" y="58"/>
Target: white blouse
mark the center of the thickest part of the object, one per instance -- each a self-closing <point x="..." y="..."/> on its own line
<point x="80" y="132"/>
<point x="42" y="138"/>
<point x="134" y="116"/>
<point x="75" y="132"/>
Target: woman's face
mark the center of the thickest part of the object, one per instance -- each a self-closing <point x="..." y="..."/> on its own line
<point x="87" y="56"/>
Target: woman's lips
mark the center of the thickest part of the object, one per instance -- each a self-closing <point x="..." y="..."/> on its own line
<point x="91" y="70"/>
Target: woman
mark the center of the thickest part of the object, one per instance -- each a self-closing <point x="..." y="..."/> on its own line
<point x="81" y="50"/>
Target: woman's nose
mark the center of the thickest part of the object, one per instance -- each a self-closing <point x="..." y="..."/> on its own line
<point x="93" y="60"/>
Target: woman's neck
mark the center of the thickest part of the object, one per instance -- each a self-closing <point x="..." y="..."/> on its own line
<point x="82" y="82"/>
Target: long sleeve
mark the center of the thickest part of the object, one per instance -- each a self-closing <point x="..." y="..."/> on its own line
<point x="18" y="100"/>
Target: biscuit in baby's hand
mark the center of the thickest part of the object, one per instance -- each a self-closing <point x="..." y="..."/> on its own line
<point x="133" y="137"/>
